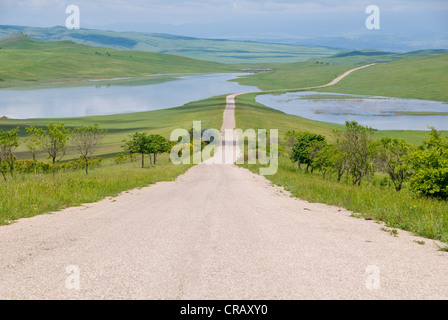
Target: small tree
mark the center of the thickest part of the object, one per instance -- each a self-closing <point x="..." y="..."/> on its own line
<point x="33" y="142"/>
<point x="86" y="140"/>
<point x="325" y="158"/>
<point x="394" y="159"/>
<point x="54" y="141"/>
<point x="9" y="141"/>
<point x="316" y="155"/>
<point x="143" y="144"/>
<point x="357" y="144"/>
<point x="291" y="137"/>
<point x="137" y="144"/>
<point x="157" y="144"/>
<point x="339" y="161"/>
<point x="2" y="170"/>
<point x="301" y="153"/>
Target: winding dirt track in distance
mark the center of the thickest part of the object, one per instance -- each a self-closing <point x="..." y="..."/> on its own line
<point x="332" y="83"/>
<point x="217" y="232"/>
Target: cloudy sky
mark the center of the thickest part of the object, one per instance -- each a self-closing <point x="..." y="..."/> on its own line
<point x="423" y="22"/>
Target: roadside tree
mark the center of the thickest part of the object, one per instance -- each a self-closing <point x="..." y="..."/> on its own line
<point x="138" y="144"/>
<point x="430" y="164"/>
<point x="86" y="140"/>
<point x="9" y="141"/>
<point x="303" y="153"/>
<point x="394" y="158"/>
<point x="357" y="143"/>
<point x="157" y="144"/>
<point x="54" y="142"/>
<point x="33" y="143"/>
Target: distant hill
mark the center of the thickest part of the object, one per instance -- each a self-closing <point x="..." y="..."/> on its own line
<point x="216" y="50"/>
<point x="370" y="56"/>
<point x="380" y="40"/>
<point x="24" y="60"/>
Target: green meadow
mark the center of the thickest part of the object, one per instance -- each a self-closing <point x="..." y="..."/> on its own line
<point x="415" y="77"/>
<point x="25" y="61"/>
<point x="294" y="75"/>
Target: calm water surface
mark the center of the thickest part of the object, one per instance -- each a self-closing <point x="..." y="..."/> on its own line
<point x="376" y="112"/>
<point x="113" y="98"/>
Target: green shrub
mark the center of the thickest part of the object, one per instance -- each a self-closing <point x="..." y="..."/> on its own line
<point x="78" y="164"/>
<point x="27" y="166"/>
<point x="430" y="163"/>
<point x="120" y="158"/>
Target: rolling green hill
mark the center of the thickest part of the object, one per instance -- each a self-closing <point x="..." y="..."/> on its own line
<point x="294" y="75"/>
<point x="416" y="74"/>
<point x="216" y="50"/>
<point x="24" y="60"/>
<point x="416" y="77"/>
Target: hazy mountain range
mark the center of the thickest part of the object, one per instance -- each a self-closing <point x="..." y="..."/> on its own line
<point x="267" y="50"/>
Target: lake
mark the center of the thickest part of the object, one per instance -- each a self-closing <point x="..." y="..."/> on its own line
<point x="113" y="96"/>
<point x="382" y="113"/>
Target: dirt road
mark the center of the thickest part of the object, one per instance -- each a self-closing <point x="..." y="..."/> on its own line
<point x="218" y="232"/>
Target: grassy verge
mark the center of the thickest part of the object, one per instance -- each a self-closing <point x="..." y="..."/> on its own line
<point x="421" y="216"/>
<point x="28" y="195"/>
<point x="404" y="210"/>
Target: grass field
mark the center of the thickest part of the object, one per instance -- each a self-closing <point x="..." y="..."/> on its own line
<point x="294" y="75"/>
<point x="418" y="78"/>
<point x="24" y="61"/>
<point x="411" y="77"/>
